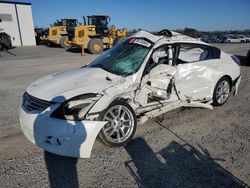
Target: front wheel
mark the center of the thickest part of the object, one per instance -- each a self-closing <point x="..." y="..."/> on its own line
<point x="121" y="125"/>
<point x="221" y="91"/>
<point x="1" y="46"/>
<point x="95" y="46"/>
<point x="64" y="42"/>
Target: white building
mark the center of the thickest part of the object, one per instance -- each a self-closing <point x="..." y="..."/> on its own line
<point x="17" y="21"/>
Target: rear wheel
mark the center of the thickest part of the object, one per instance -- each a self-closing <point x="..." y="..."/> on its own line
<point x="64" y="42"/>
<point x="121" y="125"/>
<point x="1" y="46"/>
<point x="95" y="46"/>
<point x="248" y="57"/>
<point x="221" y="91"/>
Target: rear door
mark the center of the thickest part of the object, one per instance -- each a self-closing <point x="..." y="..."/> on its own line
<point x="197" y="70"/>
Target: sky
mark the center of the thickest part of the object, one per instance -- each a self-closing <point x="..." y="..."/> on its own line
<point x="152" y="15"/>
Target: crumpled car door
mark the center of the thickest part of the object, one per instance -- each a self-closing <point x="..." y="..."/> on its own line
<point x="157" y="85"/>
<point x="196" y="81"/>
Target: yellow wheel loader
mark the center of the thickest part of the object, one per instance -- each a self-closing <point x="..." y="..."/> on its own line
<point x="57" y="33"/>
<point x="95" y="35"/>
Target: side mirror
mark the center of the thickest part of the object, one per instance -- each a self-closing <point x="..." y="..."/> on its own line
<point x="0" y="20"/>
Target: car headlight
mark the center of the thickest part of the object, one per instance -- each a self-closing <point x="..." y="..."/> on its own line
<point x="76" y="108"/>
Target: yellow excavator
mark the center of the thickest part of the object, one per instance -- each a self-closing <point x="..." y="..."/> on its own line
<point x="57" y="33"/>
<point x="95" y="35"/>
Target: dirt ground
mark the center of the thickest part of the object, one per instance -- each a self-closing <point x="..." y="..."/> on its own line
<point x="191" y="147"/>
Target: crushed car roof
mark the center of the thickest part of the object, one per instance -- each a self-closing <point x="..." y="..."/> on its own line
<point x="173" y="37"/>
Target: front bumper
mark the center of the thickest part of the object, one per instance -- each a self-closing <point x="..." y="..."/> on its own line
<point x="61" y="137"/>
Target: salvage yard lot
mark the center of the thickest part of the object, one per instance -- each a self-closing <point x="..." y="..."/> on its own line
<point x="188" y="148"/>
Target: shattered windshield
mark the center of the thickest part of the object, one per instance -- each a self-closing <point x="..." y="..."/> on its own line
<point x="124" y="59"/>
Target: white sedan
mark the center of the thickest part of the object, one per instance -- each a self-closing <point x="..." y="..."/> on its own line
<point x="235" y="39"/>
<point x="141" y="78"/>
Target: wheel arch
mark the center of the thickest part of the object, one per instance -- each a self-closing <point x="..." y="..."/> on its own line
<point x="102" y="104"/>
<point x="115" y="102"/>
<point x="215" y="85"/>
<point x="123" y="99"/>
<point x="230" y="80"/>
<point x="217" y="80"/>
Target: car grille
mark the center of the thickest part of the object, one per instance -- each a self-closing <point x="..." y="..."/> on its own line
<point x="31" y="103"/>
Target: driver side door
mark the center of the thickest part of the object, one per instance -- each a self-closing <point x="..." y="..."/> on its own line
<point x="157" y="82"/>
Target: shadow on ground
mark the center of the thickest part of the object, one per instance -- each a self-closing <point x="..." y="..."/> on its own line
<point x="62" y="171"/>
<point x="79" y="50"/>
<point x="74" y="50"/>
<point x="7" y="52"/>
<point x="176" y="165"/>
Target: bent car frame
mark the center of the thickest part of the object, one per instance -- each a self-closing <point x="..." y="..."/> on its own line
<point x="144" y="76"/>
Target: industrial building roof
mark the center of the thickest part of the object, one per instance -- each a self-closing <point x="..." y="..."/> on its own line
<point x="15" y="2"/>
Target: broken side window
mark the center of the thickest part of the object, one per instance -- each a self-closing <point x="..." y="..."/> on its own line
<point x="192" y="53"/>
<point x="159" y="56"/>
<point x="214" y="52"/>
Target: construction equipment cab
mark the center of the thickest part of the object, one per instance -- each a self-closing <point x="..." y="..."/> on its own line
<point x="95" y="35"/>
<point x="101" y="24"/>
<point x="57" y="33"/>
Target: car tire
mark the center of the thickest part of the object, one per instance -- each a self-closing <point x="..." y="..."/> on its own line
<point x="63" y="42"/>
<point x="49" y="44"/>
<point x="122" y="124"/>
<point x="95" y="46"/>
<point x="221" y="91"/>
<point x="248" y="57"/>
<point x="1" y="46"/>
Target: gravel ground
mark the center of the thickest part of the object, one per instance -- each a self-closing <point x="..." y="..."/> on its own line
<point x="188" y="148"/>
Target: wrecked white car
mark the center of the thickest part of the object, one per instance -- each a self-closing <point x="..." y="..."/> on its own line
<point x="141" y="78"/>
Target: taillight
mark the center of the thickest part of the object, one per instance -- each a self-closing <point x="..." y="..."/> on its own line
<point x="236" y="59"/>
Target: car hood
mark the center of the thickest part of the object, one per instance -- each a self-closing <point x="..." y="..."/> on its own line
<point x="61" y="86"/>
